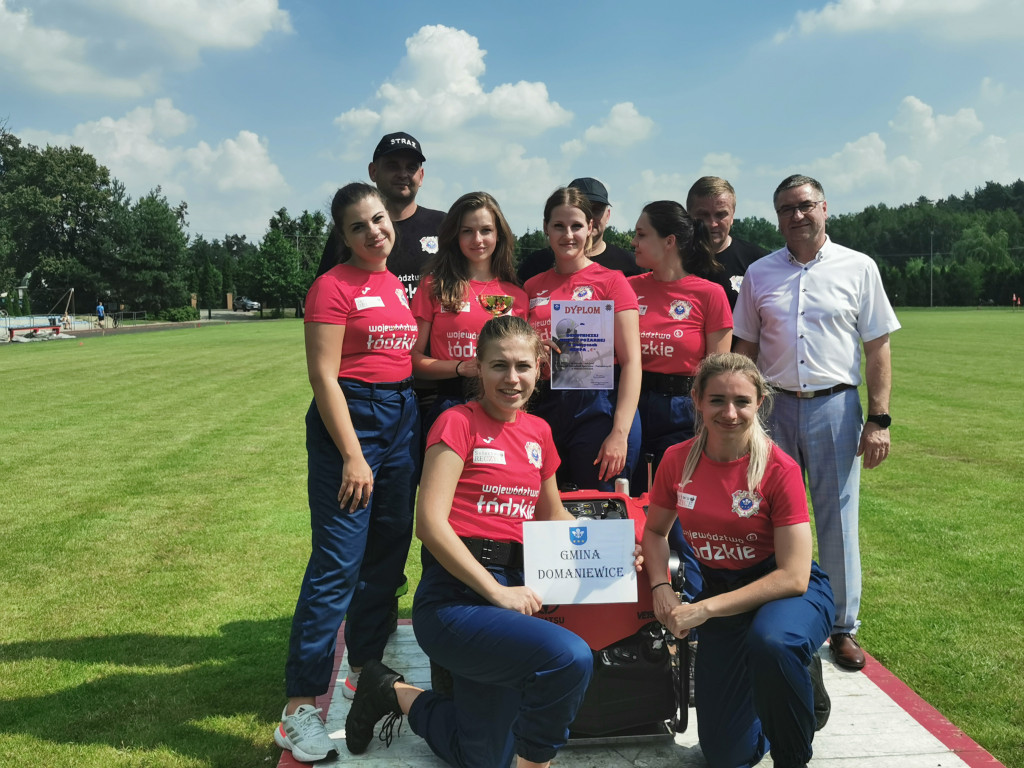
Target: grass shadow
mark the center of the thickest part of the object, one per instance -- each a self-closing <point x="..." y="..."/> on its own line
<point x="213" y="698"/>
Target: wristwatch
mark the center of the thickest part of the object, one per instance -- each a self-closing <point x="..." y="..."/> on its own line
<point x="881" y="419"/>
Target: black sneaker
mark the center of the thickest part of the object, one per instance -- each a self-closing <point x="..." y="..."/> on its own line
<point x="822" y="703"/>
<point x="375" y="698"/>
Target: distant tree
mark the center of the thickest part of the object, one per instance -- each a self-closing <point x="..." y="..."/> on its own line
<point x="759" y="231"/>
<point x="278" y="276"/>
<point x="622" y="238"/>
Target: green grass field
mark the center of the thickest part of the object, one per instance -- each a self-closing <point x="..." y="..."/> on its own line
<point x="152" y="507"/>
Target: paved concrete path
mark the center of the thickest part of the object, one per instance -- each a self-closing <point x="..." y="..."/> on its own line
<point x="876" y="722"/>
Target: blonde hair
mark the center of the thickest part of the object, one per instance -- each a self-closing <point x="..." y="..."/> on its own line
<point x="761" y="445"/>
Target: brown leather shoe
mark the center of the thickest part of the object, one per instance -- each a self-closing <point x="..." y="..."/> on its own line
<point x="846" y="652"/>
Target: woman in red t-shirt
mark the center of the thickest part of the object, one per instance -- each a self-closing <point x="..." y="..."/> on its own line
<point x="470" y="280"/>
<point x="766" y="607"/>
<point x="362" y="435"/>
<point x="597" y="431"/>
<point x="682" y="318"/>
<point x="518" y="679"/>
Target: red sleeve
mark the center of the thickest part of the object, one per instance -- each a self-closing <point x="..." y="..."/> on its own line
<point x="666" y="479"/>
<point x="422" y="301"/>
<point x="551" y="458"/>
<point x="622" y="292"/>
<point x="453" y="429"/>
<point x="327" y="301"/>
<point x="719" y="315"/>
<point x="783" y="487"/>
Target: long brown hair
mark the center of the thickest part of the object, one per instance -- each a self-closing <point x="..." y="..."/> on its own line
<point x="449" y="267"/>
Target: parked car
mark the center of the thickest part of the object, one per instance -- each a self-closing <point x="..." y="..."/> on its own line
<point x="244" y="304"/>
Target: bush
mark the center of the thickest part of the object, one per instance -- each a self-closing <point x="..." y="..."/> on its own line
<point x="178" y="314"/>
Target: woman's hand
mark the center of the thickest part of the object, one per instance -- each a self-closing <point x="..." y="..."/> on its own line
<point x="679" y="618"/>
<point x="612" y="456"/>
<point x="519" y="599"/>
<point x="468" y="369"/>
<point x="356" y="484"/>
<point x="638" y="558"/>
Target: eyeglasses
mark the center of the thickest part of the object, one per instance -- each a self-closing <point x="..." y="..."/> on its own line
<point x="787" y="211"/>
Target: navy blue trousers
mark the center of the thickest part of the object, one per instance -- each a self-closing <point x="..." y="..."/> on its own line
<point x="358" y="558"/>
<point x="518" y="680"/>
<point x="752" y="678"/>
<point x="580" y="420"/>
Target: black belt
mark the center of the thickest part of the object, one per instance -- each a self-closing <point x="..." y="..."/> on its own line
<point x="459" y="387"/>
<point x="819" y="392"/>
<point x="666" y="383"/>
<point x="508" y="554"/>
<point x="397" y="386"/>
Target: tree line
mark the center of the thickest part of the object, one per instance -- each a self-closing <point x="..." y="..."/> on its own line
<point x="65" y="222"/>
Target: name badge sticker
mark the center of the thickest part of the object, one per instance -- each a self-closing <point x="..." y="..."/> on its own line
<point x="368" y="302"/>
<point x="488" y="456"/>
<point x="686" y="500"/>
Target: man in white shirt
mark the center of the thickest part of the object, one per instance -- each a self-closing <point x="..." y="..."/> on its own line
<point x="803" y="314"/>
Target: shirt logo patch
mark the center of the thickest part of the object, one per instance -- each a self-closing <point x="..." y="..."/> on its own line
<point x="488" y="456"/>
<point x="680" y="309"/>
<point x="736" y="281"/>
<point x="539" y="301"/>
<point x="582" y="293"/>
<point x="366" y="302"/>
<point x="400" y="293"/>
<point x="746" y="503"/>
<point x="429" y="244"/>
<point x="533" y="454"/>
<point x="578" y="535"/>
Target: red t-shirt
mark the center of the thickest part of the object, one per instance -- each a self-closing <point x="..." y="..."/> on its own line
<point x="453" y="335"/>
<point x="675" y="317"/>
<point x="729" y="527"/>
<point x="505" y="464"/>
<point x="379" y="328"/>
<point x="592" y="283"/>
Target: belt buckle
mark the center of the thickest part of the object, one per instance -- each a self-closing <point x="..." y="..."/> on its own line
<point x="805" y="395"/>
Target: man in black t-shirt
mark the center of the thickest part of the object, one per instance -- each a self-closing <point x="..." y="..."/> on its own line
<point x="605" y="254"/>
<point x="713" y="200"/>
<point x="397" y="170"/>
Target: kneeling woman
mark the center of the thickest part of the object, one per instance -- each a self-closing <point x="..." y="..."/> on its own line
<point x="518" y="680"/>
<point x="766" y="607"/>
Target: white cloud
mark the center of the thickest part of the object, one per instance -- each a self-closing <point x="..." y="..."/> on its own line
<point x="240" y="164"/>
<point x="53" y="60"/>
<point x="231" y="186"/>
<point x="197" y="24"/>
<point x="623" y="127"/>
<point x="118" y="34"/>
<point x="722" y="164"/>
<point x="948" y="19"/>
<point x="437" y="87"/>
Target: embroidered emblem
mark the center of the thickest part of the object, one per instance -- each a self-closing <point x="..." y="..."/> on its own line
<point x="429" y="244"/>
<point x="578" y="535"/>
<point x="400" y="293"/>
<point x="680" y="309"/>
<point x="736" y="281"/>
<point x="533" y="454"/>
<point x="746" y="503"/>
<point x="582" y="292"/>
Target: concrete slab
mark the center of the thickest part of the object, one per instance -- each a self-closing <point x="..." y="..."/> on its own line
<point x="876" y="722"/>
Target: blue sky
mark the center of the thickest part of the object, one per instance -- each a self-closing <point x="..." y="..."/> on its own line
<point x="241" y="107"/>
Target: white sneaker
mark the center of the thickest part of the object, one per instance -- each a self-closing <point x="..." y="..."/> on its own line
<point x="305" y="734"/>
<point x="348" y="688"/>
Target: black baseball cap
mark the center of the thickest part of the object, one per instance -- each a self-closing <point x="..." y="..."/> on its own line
<point x="395" y="142"/>
<point x="595" y="191"/>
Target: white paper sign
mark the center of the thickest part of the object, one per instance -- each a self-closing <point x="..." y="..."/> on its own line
<point x="585" y="333"/>
<point x="582" y="561"/>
